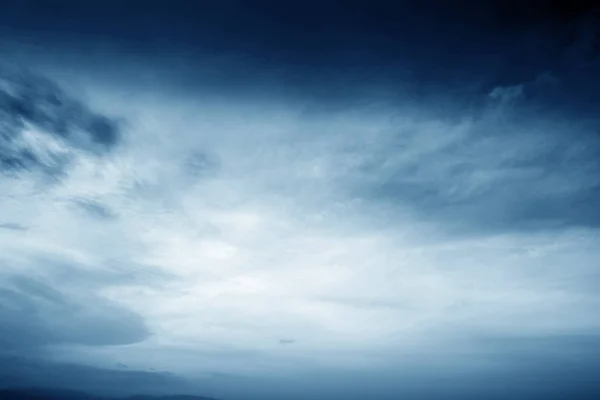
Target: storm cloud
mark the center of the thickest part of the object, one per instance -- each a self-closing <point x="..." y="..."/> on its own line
<point x="305" y="200"/>
<point x="41" y="125"/>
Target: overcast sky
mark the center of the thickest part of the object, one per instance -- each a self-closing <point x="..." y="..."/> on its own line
<point x="260" y="199"/>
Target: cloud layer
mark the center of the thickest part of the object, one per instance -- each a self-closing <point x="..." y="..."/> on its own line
<point x="296" y="240"/>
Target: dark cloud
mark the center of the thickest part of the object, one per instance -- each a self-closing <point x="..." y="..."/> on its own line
<point x="12" y="226"/>
<point x="58" y="305"/>
<point x="40" y="124"/>
<point x="524" y="71"/>
<point x="95" y="209"/>
<point x="330" y="49"/>
<point x="35" y="314"/>
<point x="201" y="164"/>
<point x="21" y="372"/>
<point x="505" y="172"/>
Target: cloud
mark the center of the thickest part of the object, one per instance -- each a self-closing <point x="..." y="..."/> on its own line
<point x="290" y="237"/>
<point x="377" y="238"/>
<point x="35" y="314"/>
<point x="95" y="208"/>
<point x="41" y="126"/>
<point x="12" y="227"/>
<point x="497" y="173"/>
<point x="44" y="130"/>
<point x="22" y="372"/>
<point x="507" y="93"/>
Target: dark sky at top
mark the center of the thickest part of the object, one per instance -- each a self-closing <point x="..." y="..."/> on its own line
<point x="336" y="47"/>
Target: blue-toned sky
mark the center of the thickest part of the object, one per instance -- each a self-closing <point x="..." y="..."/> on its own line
<point x="292" y="200"/>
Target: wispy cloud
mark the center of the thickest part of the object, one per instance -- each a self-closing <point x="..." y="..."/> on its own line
<point x="42" y="125"/>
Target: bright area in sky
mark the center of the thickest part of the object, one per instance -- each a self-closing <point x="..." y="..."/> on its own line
<point x="267" y="239"/>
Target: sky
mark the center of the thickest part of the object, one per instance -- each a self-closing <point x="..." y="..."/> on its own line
<point x="326" y="200"/>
